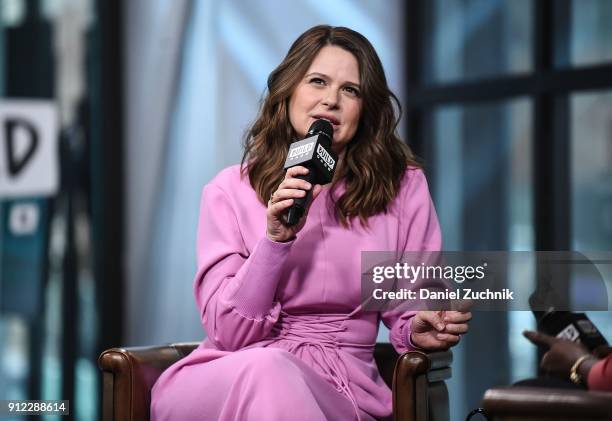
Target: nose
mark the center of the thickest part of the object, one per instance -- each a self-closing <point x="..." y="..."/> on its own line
<point x="331" y="98"/>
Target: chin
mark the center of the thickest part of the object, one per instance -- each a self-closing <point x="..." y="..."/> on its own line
<point x="340" y="142"/>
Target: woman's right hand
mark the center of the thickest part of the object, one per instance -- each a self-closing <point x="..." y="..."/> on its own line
<point x="282" y="199"/>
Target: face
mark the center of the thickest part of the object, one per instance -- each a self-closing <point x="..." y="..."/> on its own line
<point x="330" y="89"/>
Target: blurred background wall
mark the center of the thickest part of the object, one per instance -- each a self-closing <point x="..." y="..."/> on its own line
<point x="508" y="102"/>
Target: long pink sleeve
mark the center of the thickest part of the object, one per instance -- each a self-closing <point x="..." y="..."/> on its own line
<point x="600" y="376"/>
<point x="234" y="289"/>
<point x="420" y="223"/>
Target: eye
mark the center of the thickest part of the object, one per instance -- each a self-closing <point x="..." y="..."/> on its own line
<point x="352" y="91"/>
<point x="317" y="81"/>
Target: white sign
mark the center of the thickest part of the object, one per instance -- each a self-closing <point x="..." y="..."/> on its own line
<point x="29" y="154"/>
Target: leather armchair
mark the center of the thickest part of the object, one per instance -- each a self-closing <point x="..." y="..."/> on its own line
<point x="417" y="380"/>
<point x="544" y="404"/>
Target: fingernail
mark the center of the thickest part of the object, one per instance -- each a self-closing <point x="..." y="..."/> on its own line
<point x="439" y="326"/>
<point x="308" y="186"/>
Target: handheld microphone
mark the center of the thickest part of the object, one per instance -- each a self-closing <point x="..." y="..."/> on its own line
<point x="575" y="327"/>
<point x="314" y="153"/>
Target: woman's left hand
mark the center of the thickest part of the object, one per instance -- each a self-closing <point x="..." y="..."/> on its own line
<point x="438" y="330"/>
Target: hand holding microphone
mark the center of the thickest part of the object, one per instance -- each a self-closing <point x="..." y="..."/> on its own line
<point x="309" y="164"/>
<point x="283" y="198"/>
<point x="563" y="356"/>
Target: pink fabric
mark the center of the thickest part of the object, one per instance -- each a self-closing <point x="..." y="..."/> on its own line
<point x="287" y="338"/>
<point x="600" y="376"/>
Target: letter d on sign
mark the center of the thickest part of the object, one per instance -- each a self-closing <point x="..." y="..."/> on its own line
<point x="15" y="163"/>
<point x="28" y="148"/>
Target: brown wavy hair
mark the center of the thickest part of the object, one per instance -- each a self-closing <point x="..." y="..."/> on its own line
<point x="375" y="159"/>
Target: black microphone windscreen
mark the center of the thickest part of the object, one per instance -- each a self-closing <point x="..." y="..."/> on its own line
<point x="321" y="126"/>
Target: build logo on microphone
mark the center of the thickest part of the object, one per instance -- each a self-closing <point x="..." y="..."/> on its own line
<point x="299" y="151"/>
<point x="325" y="158"/>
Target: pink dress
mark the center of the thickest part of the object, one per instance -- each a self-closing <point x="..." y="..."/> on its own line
<point x="287" y="339"/>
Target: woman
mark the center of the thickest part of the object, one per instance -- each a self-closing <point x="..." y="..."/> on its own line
<point x="287" y="338"/>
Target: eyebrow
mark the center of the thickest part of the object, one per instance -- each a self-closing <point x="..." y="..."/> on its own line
<point x="324" y="76"/>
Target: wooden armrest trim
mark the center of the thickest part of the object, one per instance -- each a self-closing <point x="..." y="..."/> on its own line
<point x="549" y="402"/>
<point x="413" y="371"/>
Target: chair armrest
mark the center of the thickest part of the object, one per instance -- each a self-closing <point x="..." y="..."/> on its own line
<point x="129" y="375"/>
<point x="419" y="391"/>
<point x="557" y="404"/>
